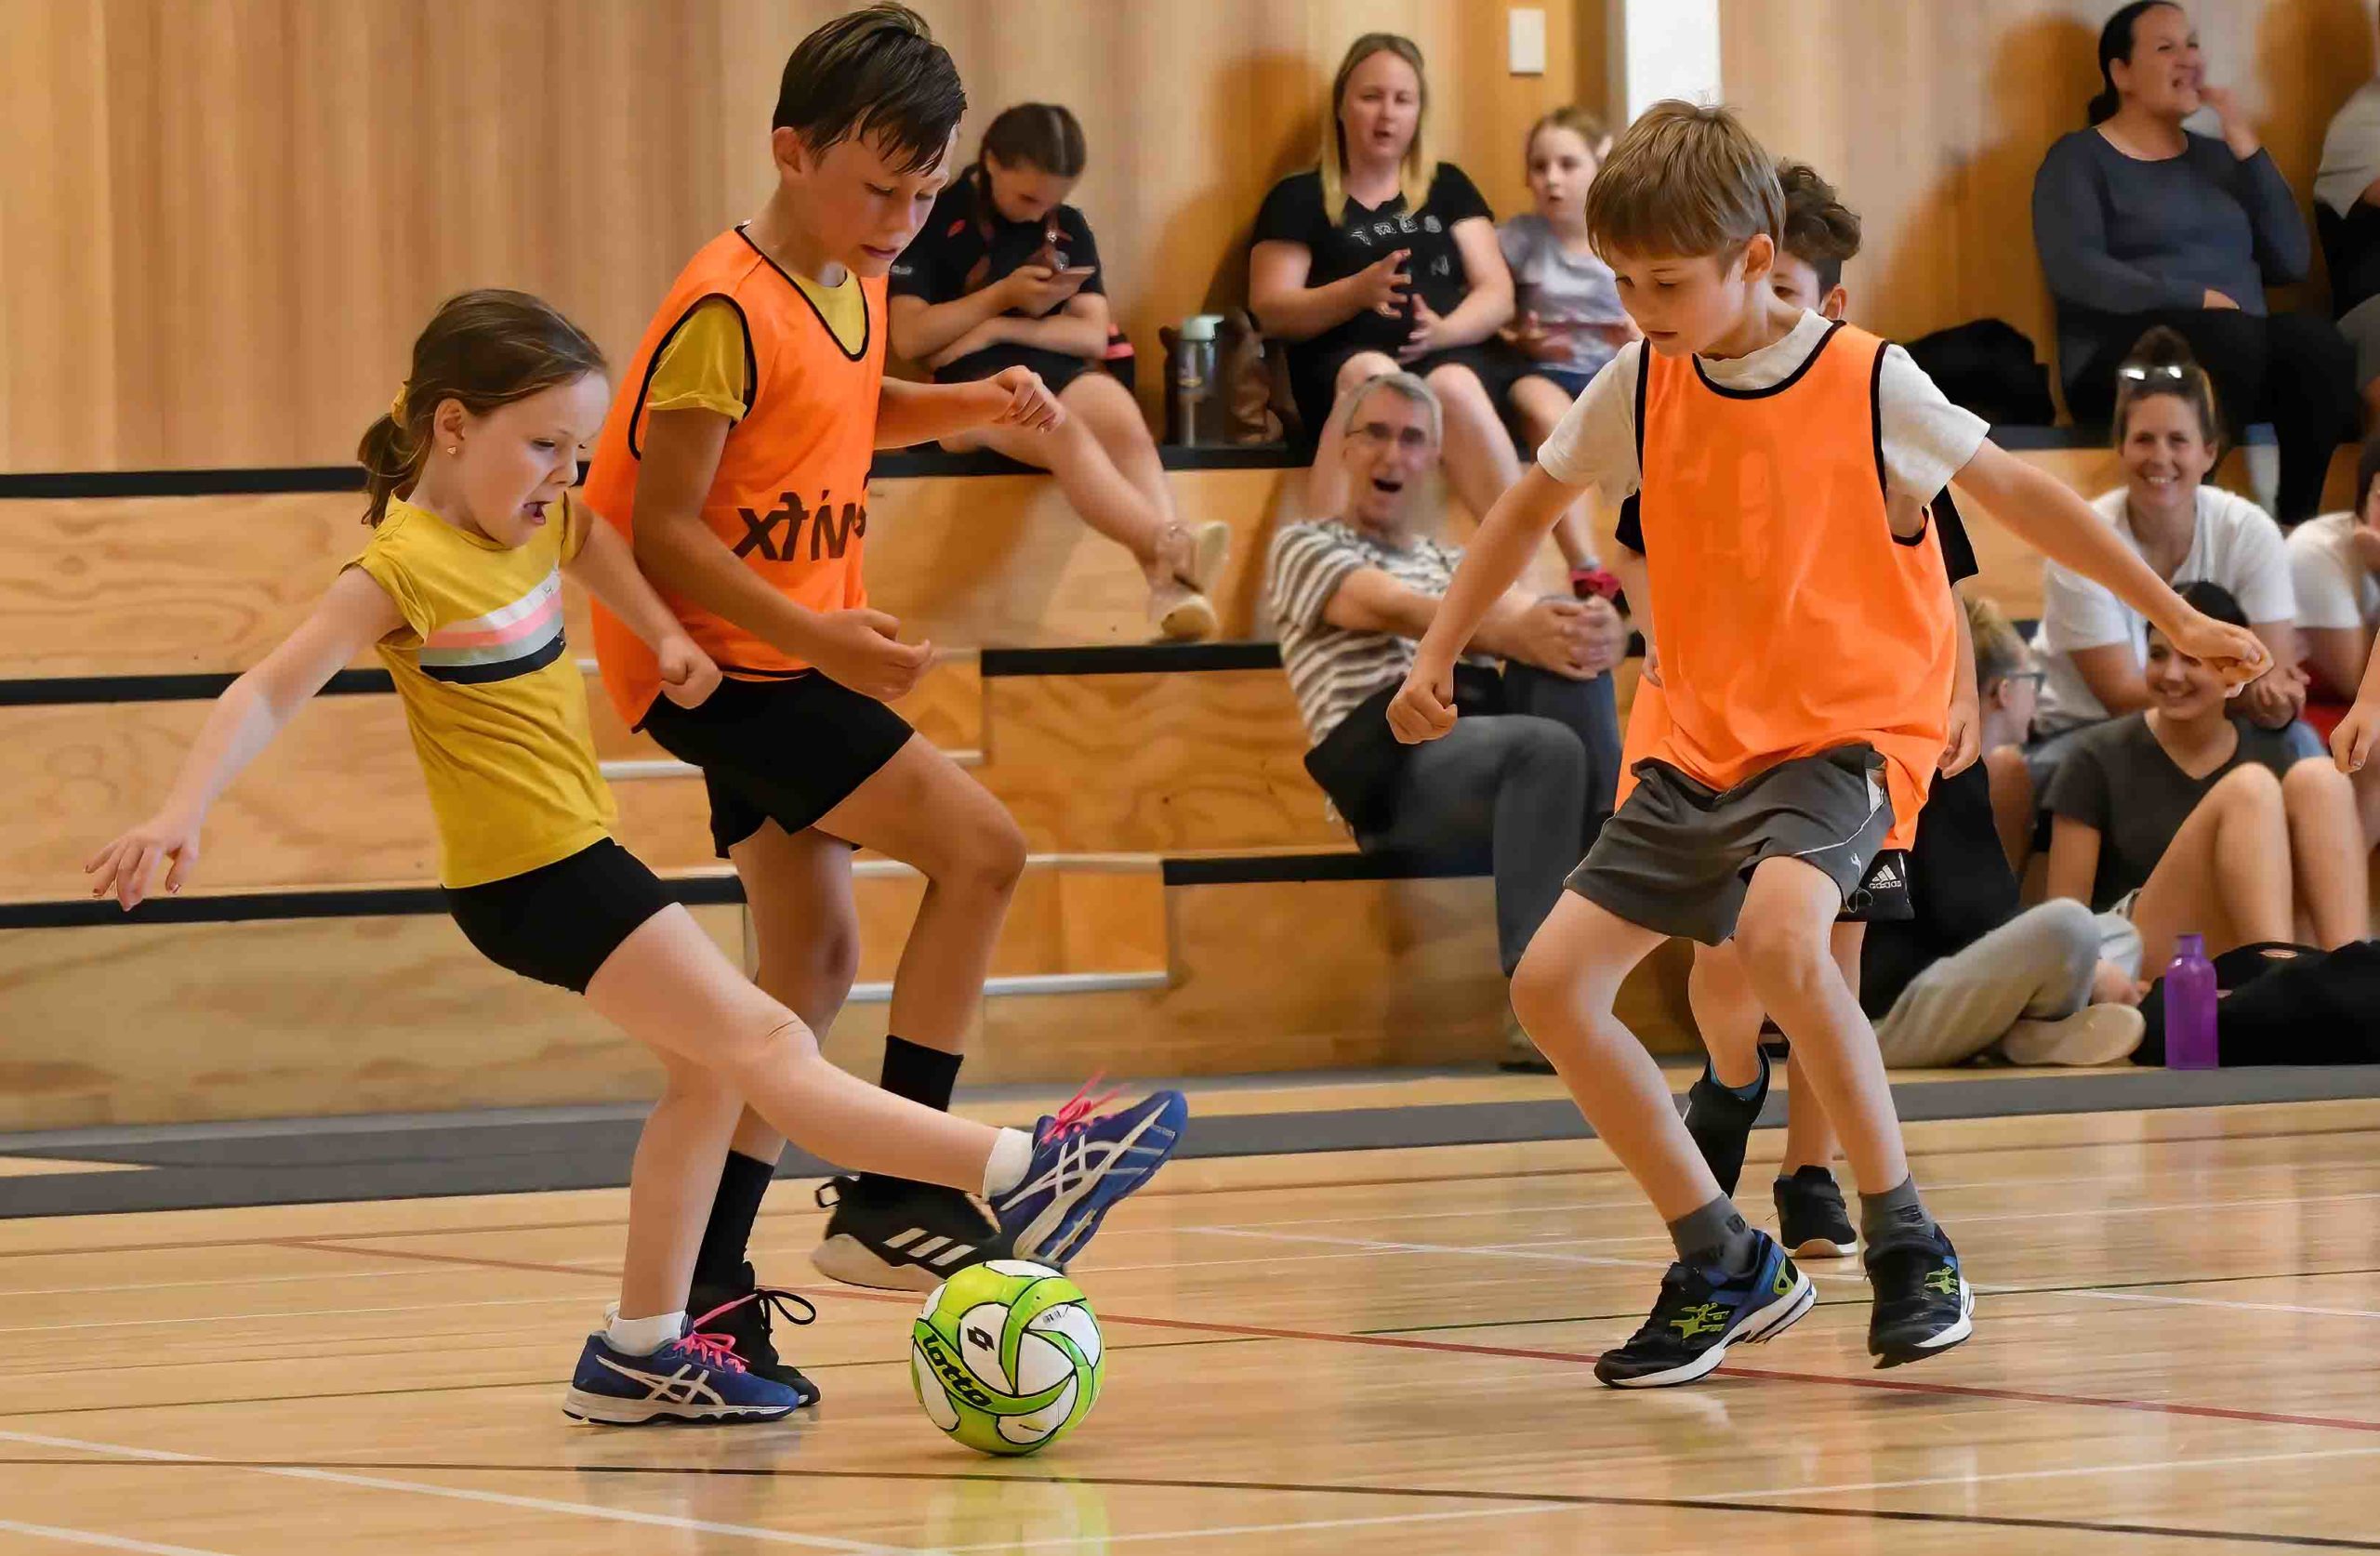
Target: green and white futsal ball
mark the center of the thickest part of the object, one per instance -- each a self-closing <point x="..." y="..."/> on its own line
<point x="1006" y="1356"/>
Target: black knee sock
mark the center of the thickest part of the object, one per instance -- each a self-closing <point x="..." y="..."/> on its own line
<point x="728" y="1238"/>
<point x="921" y="1074"/>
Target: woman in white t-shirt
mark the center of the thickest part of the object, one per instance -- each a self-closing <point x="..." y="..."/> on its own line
<point x="2335" y="567"/>
<point x="2093" y="647"/>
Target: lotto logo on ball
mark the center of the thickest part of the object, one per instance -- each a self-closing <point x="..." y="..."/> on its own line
<point x="1006" y="1356"/>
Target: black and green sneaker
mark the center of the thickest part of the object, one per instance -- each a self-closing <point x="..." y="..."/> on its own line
<point x="1923" y="1305"/>
<point x="1721" y="1120"/>
<point x="1701" y="1311"/>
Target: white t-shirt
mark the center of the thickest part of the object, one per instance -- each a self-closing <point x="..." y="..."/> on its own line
<point x="2234" y="543"/>
<point x="1927" y="440"/>
<point x="2333" y="588"/>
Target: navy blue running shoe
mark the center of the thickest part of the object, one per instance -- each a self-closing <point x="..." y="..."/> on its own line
<point x="695" y="1378"/>
<point x="1701" y="1311"/>
<point x="1082" y="1166"/>
<point x="1923" y="1305"/>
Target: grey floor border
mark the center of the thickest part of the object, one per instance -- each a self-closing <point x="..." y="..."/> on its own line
<point x="519" y="1151"/>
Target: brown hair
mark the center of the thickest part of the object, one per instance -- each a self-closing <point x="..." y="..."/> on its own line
<point x="1043" y="135"/>
<point x="1821" y="231"/>
<point x="1999" y="647"/>
<point x="2161" y="364"/>
<point x="1580" y="122"/>
<point x="483" y="348"/>
<point x="1685" y="180"/>
<point x="1420" y="168"/>
<point x="873" y="72"/>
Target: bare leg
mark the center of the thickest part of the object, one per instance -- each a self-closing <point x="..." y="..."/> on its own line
<point x="1480" y="462"/>
<point x="2226" y="874"/>
<point x="2011" y="804"/>
<point x="799" y="892"/>
<point x="1108" y="501"/>
<point x="2329" y="855"/>
<point x="671" y="1183"/>
<point x="1325" y="484"/>
<point x="1108" y="411"/>
<point x="1809" y="1138"/>
<point x="921" y="809"/>
<point x="1784" y="933"/>
<point x="1725" y="1011"/>
<point x="2367" y="791"/>
<point x="1563" y="992"/>
<point x="1540" y="404"/>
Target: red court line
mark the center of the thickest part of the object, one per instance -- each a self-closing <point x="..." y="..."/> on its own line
<point x="1457" y="1348"/>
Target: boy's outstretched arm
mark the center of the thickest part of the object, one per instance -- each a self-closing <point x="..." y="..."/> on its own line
<point x="1507" y="539"/>
<point x="908" y="414"/>
<point x="353" y="615"/>
<point x="2040" y="511"/>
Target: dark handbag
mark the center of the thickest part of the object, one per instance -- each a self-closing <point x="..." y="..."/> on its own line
<point x="1988" y="366"/>
<point x="2286" y="1005"/>
<point x="1358" y="763"/>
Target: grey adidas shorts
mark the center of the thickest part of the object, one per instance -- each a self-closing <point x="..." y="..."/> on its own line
<point x="1678" y="855"/>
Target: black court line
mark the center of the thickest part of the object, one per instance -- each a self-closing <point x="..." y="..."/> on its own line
<point x="56" y="690"/>
<point x="1129" y="659"/>
<point x="388" y="901"/>
<point x="1149" y="1483"/>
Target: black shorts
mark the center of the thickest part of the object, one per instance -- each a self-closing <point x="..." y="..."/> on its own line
<point x="559" y="922"/>
<point x="1678" y="855"/>
<point x="786" y="751"/>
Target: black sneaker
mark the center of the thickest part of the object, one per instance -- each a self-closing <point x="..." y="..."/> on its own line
<point x="1812" y="1221"/>
<point x="1923" y="1304"/>
<point x="896" y="1235"/>
<point x="1721" y="1124"/>
<point x="1701" y="1311"/>
<point x="741" y="1313"/>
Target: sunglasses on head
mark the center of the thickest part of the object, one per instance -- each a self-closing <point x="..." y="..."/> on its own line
<point x="2139" y="375"/>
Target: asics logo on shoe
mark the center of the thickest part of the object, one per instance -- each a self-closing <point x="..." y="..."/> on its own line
<point x="688" y="1385"/>
<point x="1943" y="1281"/>
<point x="1784" y="1281"/>
<point x="1706" y="1318"/>
<point x="926" y="1251"/>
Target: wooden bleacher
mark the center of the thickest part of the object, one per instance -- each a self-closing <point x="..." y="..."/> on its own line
<point x="1189" y="908"/>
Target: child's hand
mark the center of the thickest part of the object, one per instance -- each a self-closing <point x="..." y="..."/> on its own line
<point x="2351" y="738"/>
<point x="687" y="676"/>
<point x="1965" y="742"/>
<point x="1030" y="404"/>
<point x="2235" y="654"/>
<point x="1424" y="706"/>
<point x="862" y="649"/>
<point x="122" y="869"/>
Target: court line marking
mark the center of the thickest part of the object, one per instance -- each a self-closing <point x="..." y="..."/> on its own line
<point x="2065" y="1472"/>
<point x="1380" y="1245"/>
<point x="105" y="1542"/>
<point x="465" y="1493"/>
<point x="2162" y="1300"/>
<point x="1299" y="1527"/>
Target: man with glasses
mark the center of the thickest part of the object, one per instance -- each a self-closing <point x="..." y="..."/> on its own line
<point x="1526" y="780"/>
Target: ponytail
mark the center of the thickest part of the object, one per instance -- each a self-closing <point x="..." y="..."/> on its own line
<point x="2161" y="363"/>
<point x="391" y="453"/>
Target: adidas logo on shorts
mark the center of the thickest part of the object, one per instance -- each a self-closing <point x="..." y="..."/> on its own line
<point x="1886" y="876"/>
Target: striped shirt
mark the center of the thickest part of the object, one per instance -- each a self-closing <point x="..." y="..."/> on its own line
<point x="1332" y="668"/>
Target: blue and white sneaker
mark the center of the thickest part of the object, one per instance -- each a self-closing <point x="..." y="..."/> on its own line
<point x="1701" y="1311"/>
<point x="1083" y="1165"/>
<point x="695" y="1378"/>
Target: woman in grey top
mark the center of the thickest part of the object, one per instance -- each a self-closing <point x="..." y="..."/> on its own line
<point x="2140" y="223"/>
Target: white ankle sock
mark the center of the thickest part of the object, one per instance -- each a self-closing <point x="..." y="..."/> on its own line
<point x="1011" y="1156"/>
<point x="643" y="1336"/>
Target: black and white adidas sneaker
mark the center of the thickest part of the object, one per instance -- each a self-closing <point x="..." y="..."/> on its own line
<point x="896" y="1235"/>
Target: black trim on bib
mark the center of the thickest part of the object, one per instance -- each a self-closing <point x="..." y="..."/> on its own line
<point x="653" y="364"/>
<point x="1782" y="384"/>
<point x="866" y="314"/>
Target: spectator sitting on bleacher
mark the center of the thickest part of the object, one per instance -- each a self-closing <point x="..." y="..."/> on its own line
<point x="2184" y="818"/>
<point x="2141" y="223"/>
<point x="1527" y="775"/>
<point x="1005" y="274"/>
<point x="2335" y="566"/>
<point x="2094" y="648"/>
<point x="1382" y="257"/>
<point x="2347" y="217"/>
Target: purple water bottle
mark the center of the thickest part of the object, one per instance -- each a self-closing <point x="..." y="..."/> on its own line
<point x="2190" y="1008"/>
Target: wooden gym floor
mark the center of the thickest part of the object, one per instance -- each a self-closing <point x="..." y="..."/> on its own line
<point x="1313" y="1351"/>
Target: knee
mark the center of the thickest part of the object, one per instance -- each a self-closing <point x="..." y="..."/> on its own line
<point x="691" y="1085"/>
<point x="2075" y="929"/>
<point x="989" y="856"/>
<point x="1782" y="953"/>
<point x="2250" y="786"/>
<point x="1531" y="743"/>
<point x="816" y="971"/>
<point x="1546" y="994"/>
<point x="770" y="1038"/>
<point x="2315" y="780"/>
<point x="1458" y="389"/>
<point x="1359" y="369"/>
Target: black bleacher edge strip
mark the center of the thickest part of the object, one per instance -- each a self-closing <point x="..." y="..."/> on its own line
<point x="387" y="901"/>
<point x="1130" y="659"/>
<point x="48" y="692"/>
<point x="1261" y="868"/>
<point x="901" y="465"/>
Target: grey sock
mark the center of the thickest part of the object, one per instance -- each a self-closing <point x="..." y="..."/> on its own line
<point x="1715" y="1234"/>
<point x="1895" y="1219"/>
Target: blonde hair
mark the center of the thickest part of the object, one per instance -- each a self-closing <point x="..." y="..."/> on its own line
<point x="1685" y="180"/>
<point x="1581" y="122"/>
<point x="1400" y="382"/>
<point x="1999" y="649"/>
<point x="1420" y="166"/>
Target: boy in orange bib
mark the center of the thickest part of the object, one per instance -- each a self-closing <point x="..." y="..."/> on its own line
<point x="1807" y="653"/>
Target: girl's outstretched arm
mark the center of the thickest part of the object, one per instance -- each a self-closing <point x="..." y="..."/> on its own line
<point x="355" y="614"/>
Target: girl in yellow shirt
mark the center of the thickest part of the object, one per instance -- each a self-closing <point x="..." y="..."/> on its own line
<point x="458" y="589"/>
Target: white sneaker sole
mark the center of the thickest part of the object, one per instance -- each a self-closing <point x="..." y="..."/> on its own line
<point x="844" y="1257"/>
<point x="1943" y="1341"/>
<point x="1767" y="1326"/>
<point x="2094" y="1035"/>
<point x="604" y="1410"/>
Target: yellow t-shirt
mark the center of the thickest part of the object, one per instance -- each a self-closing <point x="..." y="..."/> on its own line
<point x="706" y="365"/>
<point x="496" y="705"/>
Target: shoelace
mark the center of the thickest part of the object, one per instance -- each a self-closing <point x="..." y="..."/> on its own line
<point x="712" y="1351"/>
<point x="1079" y="1113"/>
<point x="772" y="1299"/>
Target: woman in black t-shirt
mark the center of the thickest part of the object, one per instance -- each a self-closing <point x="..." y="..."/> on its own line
<point x="1381" y="259"/>
<point x="1004" y="274"/>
